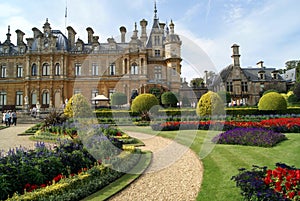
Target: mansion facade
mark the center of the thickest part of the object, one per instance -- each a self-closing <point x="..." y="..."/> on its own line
<point x="50" y="67"/>
<point x="246" y="85"/>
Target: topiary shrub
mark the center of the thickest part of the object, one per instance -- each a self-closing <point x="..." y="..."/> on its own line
<point x="169" y="98"/>
<point x="270" y="90"/>
<point x="143" y="103"/>
<point x="78" y="106"/>
<point x="210" y="104"/>
<point x="118" y="98"/>
<point x="272" y="101"/>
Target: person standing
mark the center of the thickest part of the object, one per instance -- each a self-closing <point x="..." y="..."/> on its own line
<point x="14" y="118"/>
<point x="7" y="118"/>
<point x="3" y="116"/>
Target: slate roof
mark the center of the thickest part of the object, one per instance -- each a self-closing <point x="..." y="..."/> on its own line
<point x="252" y="74"/>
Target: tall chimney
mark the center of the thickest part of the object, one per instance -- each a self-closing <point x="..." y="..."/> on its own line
<point x="20" y="36"/>
<point x="36" y="32"/>
<point x="260" y="64"/>
<point x="144" y="24"/>
<point x="90" y="34"/>
<point x="71" y="37"/>
<point x="123" y="33"/>
<point x="235" y="55"/>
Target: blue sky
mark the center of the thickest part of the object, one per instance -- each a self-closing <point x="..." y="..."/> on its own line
<point x="267" y="30"/>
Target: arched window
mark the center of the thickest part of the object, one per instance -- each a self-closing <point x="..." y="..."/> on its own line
<point x="34" y="70"/>
<point x="45" y="98"/>
<point x="134" y="69"/>
<point x="46" y="69"/>
<point x="57" y="69"/>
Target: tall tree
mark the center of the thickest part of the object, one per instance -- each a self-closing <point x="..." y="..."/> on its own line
<point x="196" y="82"/>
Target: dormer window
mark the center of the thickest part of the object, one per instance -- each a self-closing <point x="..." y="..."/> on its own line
<point x="275" y="74"/>
<point x="261" y="75"/>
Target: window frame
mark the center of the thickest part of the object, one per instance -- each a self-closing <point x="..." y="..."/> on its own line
<point x="3" y="71"/>
<point x="229" y="87"/>
<point x="33" y="69"/>
<point x="19" y="98"/>
<point x="3" y="98"/>
<point x="95" y="69"/>
<point x="45" y="69"/>
<point x="77" y="69"/>
<point x="134" y="69"/>
<point x="57" y="69"/>
<point x="19" y="71"/>
<point x="112" y="69"/>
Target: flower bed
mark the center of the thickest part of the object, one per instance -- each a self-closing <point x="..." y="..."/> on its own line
<point x="279" y="125"/>
<point x="83" y="184"/>
<point x="261" y="183"/>
<point x="250" y="136"/>
<point x="41" y="165"/>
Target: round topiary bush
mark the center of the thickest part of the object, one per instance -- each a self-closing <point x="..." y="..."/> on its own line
<point x="143" y="103"/>
<point x="272" y="101"/>
<point x="78" y="106"/>
<point x="210" y="103"/>
<point x="169" y="98"/>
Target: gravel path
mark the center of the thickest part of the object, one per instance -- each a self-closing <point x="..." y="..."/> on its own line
<point x="174" y="174"/>
<point x="9" y="137"/>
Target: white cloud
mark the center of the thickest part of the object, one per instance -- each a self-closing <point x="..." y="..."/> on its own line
<point x="8" y="10"/>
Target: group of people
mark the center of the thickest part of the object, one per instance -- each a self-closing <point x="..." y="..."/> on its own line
<point x="9" y="118"/>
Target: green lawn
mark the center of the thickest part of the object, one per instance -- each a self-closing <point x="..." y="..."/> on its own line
<point x="224" y="160"/>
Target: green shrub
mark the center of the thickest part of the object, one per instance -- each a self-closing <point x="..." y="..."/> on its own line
<point x="210" y="104"/>
<point x="292" y="98"/>
<point x="270" y="90"/>
<point x="143" y="103"/>
<point x="272" y="101"/>
<point x="169" y="98"/>
<point x="78" y="106"/>
<point x="118" y="98"/>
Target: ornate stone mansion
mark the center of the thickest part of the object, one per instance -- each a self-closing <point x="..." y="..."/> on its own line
<point x="246" y="85"/>
<point x="50" y="66"/>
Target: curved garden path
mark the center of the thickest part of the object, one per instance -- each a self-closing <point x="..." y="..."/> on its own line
<point x="9" y="137"/>
<point x="175" y="173"/>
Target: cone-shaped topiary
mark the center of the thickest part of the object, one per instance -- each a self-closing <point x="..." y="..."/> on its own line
<point x="78" y="106"/>
<point x="210" y="103"/>
<point x="143" y="103"/>
<point x="272" y="101"/>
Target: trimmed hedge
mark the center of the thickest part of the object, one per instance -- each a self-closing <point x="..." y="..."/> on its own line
<point x="254" y="111"/>
<point x="179" y="112"/>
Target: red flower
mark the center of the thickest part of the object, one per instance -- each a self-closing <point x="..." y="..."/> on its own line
<point x="291" y="194"/>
